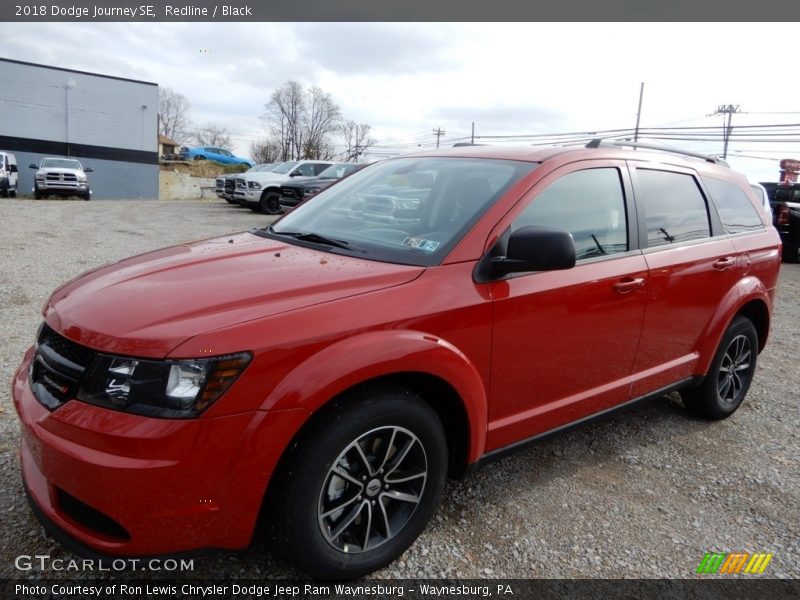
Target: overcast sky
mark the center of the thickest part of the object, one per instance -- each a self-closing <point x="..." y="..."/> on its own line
<point x="407" y="78"/>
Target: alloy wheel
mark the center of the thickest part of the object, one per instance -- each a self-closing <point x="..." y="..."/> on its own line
<point x="372" y="489"/>
<point x="733" y="371"/>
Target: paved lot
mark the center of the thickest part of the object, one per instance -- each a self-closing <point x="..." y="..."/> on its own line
<point x="643" y="494"/>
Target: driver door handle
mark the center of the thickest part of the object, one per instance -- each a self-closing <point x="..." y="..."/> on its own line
<point x="627" y="285"/>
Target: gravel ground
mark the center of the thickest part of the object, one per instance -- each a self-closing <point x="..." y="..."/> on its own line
<point x="643" y="494"/>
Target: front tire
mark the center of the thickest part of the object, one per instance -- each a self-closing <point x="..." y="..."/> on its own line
<point x="360" y="485"/>
<point x="270" y="203"/>
<point x="729" y="376"/>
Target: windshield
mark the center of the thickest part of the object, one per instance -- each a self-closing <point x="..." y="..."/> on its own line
<point x="339" y="170"/>
<point x="264" y="167"/>
<point x="284" y="168"/>
<point x="407" y="210"/>
<point x="60" y="163"/>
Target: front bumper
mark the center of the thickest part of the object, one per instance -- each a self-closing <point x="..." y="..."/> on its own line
<point x="125" y="485"/>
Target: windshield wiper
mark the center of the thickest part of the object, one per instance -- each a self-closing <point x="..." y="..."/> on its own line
<point x="315" y="238"/>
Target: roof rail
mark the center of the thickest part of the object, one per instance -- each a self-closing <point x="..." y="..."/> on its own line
<point x="598" y="142"/>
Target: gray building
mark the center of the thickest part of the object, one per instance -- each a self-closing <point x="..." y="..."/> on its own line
<point x="108" y="123"/>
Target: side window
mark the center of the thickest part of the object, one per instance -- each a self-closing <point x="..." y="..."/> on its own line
<point x="675" y="207"/>
<point x="306" y="170"/>
<point x="589" y="204"/>
<point x="736" y="212"/>
<point x="319" y="168"/>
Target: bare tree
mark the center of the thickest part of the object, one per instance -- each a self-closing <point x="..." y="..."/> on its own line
<point x="321" y="122"/>
<point x="356" y="138"/>
<point x="213" y="135"/>
<point x="173" y="118"/>
<point x="285" y="115"/>
<point x="266" y="151"/>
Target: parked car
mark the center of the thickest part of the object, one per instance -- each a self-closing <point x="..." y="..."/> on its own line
<point x="220" y="155"/>
<point x="225" y="184"/>
<point x="330" y="371"/>
<point x="785" y="202"/>
<point x="8" y="175"/>
<point x="61" y="177"/>
<point x="295" y="192"/>
<point x="261" y="192"/>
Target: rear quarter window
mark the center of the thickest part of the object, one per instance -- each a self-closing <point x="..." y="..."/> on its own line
<point x="737" y="213"/>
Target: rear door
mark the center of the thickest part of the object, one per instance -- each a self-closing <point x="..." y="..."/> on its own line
<point x="564" y="342"/>
<point x="690" y="271"/>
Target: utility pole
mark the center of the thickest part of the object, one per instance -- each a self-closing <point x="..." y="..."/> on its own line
<point x="638" y="113"/>
<point x="726" y="109"/>
<point x="472" y="138"/>
<point x="438" y="132"/>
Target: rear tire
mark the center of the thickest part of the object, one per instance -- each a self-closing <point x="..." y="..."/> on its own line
<point x="13" y="193"/>
<point x="791" y="252"/>
<point x="199" y="157"/>
<point x="4" y="192"/>
<point x="359" y="485"/>
<point x="728" y="379"/>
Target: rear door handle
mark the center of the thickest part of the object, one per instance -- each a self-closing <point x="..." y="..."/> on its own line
<point x="627" y="285"/>
<point x="724" y="263"/>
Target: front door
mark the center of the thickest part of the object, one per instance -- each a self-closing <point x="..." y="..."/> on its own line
<point x="564" y="342"/>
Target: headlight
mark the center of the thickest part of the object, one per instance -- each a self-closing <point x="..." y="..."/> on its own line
<point x="160" y="388"/>
<point x="254" y="185"/>
<point x="310" y="191"/>
<point x="81" y="177"/>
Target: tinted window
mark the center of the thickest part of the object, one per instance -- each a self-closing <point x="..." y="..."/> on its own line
<point x="589" y="204"/>
<point x="787" y="195"/>
<point x="320" y="167"/>
<point x="675" y="207"/>
<point x="735" y="210"/>
<point x="306" y="170"/>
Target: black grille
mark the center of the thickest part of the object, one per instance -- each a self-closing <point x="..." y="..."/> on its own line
<point x="73" y="352"/>
<point x="230" y="185"/>
<point x="57" y="368"/>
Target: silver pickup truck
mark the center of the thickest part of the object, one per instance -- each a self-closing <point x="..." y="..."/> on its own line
<point x="61" y="177"/>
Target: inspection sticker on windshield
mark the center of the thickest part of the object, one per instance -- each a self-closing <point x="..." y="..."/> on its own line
<point x="420" y="244"/>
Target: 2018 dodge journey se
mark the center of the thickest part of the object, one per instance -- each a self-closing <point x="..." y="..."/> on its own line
<point x="420" y="318"/>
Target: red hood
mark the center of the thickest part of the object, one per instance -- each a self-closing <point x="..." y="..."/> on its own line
<point x="148" y="304"/>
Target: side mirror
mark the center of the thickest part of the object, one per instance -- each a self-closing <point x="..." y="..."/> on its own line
<point x="88" y="170"/>
<point x="536" y="249"/>
<point x="295" y="174"/>
<point x="12" y="168"/>
<point x="33" y="166"/>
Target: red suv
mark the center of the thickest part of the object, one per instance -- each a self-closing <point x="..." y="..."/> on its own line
<point x="417" y="319"/>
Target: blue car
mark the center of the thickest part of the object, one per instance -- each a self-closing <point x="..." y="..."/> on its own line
<point x="219" y="155"/>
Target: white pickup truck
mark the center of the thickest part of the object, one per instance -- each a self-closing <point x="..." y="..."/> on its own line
<point x="261" y="191"/>
<point x="61" y="177"/>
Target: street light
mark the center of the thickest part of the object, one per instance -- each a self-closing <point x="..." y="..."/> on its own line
<point x="67" y="87"/>
<point x="141" y="137"/>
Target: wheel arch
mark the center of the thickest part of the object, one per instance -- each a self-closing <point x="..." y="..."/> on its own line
<point x="428" y="366"/>
<point x="749" y="298"/>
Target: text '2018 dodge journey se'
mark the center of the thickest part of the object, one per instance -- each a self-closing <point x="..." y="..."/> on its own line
<point x="419" y="318"/>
